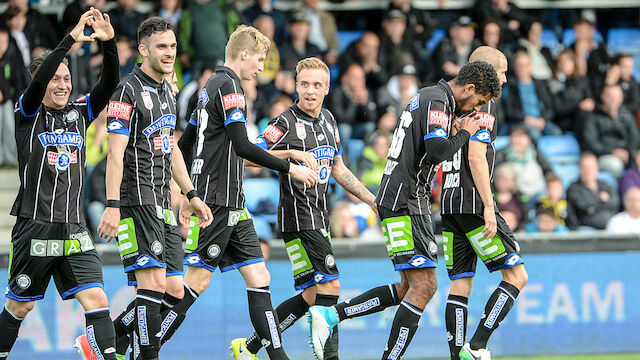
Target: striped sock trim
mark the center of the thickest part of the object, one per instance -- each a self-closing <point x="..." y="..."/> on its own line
<point x="193" y="293"/>
<point x="149" y="298"/>
<point x="259" y="290"/>
<point x="394" y="294"/>
<point x="507" y="292"/>
<point x="12" y="314"/>
<point x="413" y="309"/>
<point x="166" y="303"/>
<point x="454" y="302"/>
<point x="95" y="311"/>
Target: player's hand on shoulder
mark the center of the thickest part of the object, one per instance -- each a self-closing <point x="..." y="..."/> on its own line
<point x="101" y="24"/>
<point x="306" y="158"/>
<point x="470" y="123"/>
<point x="304" y="174"/>
<point x="108" y="228"/>
<point x="202" y="211"/>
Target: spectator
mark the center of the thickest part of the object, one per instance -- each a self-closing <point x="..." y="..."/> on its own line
<point x="266" y="25"/>
<point x="188" y="97"/>
<point x="203" y="34"/>
<point x="591" y="202"/>
<point x="323" y="32"/>
<point x="631" y="177"/>
<point x="353" y="105"/>
<point x="126" y="55"/>
<point x="540" y="56"/>
<point x="343" y="222"/>
<point x="491" y="35"/>
<point x="16" y="22"/>
<point x="37" y="28"/>
<point x="545" y="222"/>
<point x="388" y="121"/>
<point x="621" y="73"/>
<point x="297" y="47"/>
<point x="394" y="40"/>
<point x="373" y="161"/>
<point x="277" y="107"/>
<point x="418" y="26"/>
<point x="453" y="51"/>
<point x="265" y="7"/>
<point x="10" y="86"/>
<point x="509" y="215"/>
<point x="571" y="92"/>
<point x="400" y="88"/>
<point x="554" y="200"/>
<point x="591" y="56"/>
<point x="508" y="196"/>
<point x="530" y="165"/>
<point x="530" y="101"/>
<point x="366" y="53"/>
<point x="628" y="221"/>
<point x="610" y="132"/>
<point x="170" y="10"/>
<point x="126" y="19"/>
<point x="505" y="12"/>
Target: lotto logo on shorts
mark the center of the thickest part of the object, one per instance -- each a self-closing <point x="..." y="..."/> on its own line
<point x="487" y="120"/>
<point x="119" y="110"/>
<point x="497" y="308"/>
<point x="234" y="100"/>
<point x="364" y="307"/>
<point x="272" y="133"/>
<point x="439" y="118"/>
<point x="400" y="343"/>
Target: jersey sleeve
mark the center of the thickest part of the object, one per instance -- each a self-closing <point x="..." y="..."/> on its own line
<point x="336" y="135"/>
<point x="437" y="120"/>
<point x="487" y="132"/>
<point x="231" y="101"/>
<point x="273" y="136"/>
<point x="203" y="100"/>
<point x="120" y="110"/>
<point x="84" y="104"/>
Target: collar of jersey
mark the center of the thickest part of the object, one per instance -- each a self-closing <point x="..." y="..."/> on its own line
<point x="304" y="117"/>
<point x="226" y="69"/>
<point x="137" y="70"/>
<point x="447" y="89"/>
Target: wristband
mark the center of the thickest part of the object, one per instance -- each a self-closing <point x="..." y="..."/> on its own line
<point x="191" y="194"/>
<point x="113" y="203"/>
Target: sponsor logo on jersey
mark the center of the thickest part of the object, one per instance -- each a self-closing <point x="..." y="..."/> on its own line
<point x="415" y="102"/>
<point x="487" y="120"/>
<point x="236" y="116"/>
<point x="63" y="139"/>
<point x="119" y="110"/>
<point x="483" y="135"/>
<point x="301" y="131"/>
<point x="165" y="121"/>
<point x="439" y="118"/>
<point x="364" y="307"/>
<point x="324" y="155"/>
<point x="203" y="97"/>
<point x="234" y="100"/>
<point x="272" y="133"/>
<point x="320" y="137"/>
<point x="146" y="99"/>
<point x="62" y="159"/>
<point x="164" y="105"/>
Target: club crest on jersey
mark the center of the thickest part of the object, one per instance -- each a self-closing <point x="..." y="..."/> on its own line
<point x="165" y="141"/>
<point x="165" y="121"/>
<point x="146" y="99"/>
<point x="71" y="116"/>
<point x="272" y="133"/>
<point x="324" y="155"/>
<point x="62" y="139"/>
<point x="415" y="102"/>
<point x="204" y="97"/>
<point x="233" y="100"/>
<point x="329" y="127"/>
<point x="439" y="118"/>
<point x="62" y="159"/>
<point x="487" y="120"/>
<point x="301" y="131"/>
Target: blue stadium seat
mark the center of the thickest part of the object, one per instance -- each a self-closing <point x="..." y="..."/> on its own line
<point x="567" y="172"/>
<point x="263" y="229"/>
<point x="563" y="148"/>
<point x="354" y="150"/>
<point x="346" y="37"/>
<point x="501" y="142"/>
<point x="636" y="66"/>
<point x="436" y="36"/>
<point x="569" y="37"/>
<point x="609" y="179"/>
<point x="256" y="190"/>
<point x="549" y="39"/>
<point x="624" y="40"/>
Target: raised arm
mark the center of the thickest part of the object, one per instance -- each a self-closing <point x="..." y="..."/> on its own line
<point x="101" y="92"/>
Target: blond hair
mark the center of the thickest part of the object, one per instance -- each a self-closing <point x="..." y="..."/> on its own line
<point x="312" y="63"/>
<point x="246" y="38"/>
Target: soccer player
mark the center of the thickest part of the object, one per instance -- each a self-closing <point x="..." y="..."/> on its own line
<point x="50" y="237"/>
<point x="473" y="226"/>
<point x="216" y="137"/>
<point x="420" y="142"/>
<point x="307" y="128"/>
<point x="141" y="161"/>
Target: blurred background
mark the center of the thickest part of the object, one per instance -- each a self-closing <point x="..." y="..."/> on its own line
<point x="567" y="175"/>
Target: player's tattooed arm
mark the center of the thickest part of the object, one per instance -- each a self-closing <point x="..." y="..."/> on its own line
<point x="350" y="182"/>
<point x="480" y="173"/>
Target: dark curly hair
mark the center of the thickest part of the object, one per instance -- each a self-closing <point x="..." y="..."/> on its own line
<point x="483" y="76"/>
<point x="154" y="24"/>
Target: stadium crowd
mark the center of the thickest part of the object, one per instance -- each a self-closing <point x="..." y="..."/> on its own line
<point x="576" y="90"/>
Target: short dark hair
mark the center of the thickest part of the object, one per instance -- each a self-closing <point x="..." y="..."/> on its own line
<point x="154" y="24"/>
<point x="618" y="58"/>
<point x="37" y="61"/>
<point x="483" y="76"/>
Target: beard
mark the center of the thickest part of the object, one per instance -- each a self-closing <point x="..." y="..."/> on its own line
<point x="156" y="65"/>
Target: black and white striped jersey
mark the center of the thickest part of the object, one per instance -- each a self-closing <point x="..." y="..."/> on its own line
<point x="144" y="110"/>
<point x="459" y="194"/>
<point x="216" y="169"/>
<point x="407" y="179"/>
<point x="301" y="207"/>
<point x="51" y="157"/>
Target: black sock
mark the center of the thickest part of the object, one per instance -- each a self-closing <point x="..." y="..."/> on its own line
<point x="265" y="322"/>
<point x="148" y="322"/>
<point x="173" y="318"/>
<point x="124" y="325"/>
<point x="370" y="302"/>
<point x="331" y="346"/>
<point x="100" y="333"/>
<point x="288" y="312"/>
<point x="498" y="306"/>
<point x="168" y="302"/>
<point x="405" y="324"/>
<point x="455" y="317"/>
<point x="9" y="326"/>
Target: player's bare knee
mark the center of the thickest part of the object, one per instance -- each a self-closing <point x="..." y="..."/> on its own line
<point x="461" y="287"/>
<point x="516" y="276"/>
<point x="330" y="287"/>
<point x="401" y="288"/>
<point x="19" y="308"/>
<point x="175" y="287"/>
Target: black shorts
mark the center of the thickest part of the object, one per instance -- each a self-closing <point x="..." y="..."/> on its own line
<point x="40" y="250"/>
<point x="141" y="237"/>
<point x="410" y="240"/>
<point x="311" y="257"/>
<point x="173" y="251"/>
<point x="229" y="242"/>
<point x="464" y="242"/>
